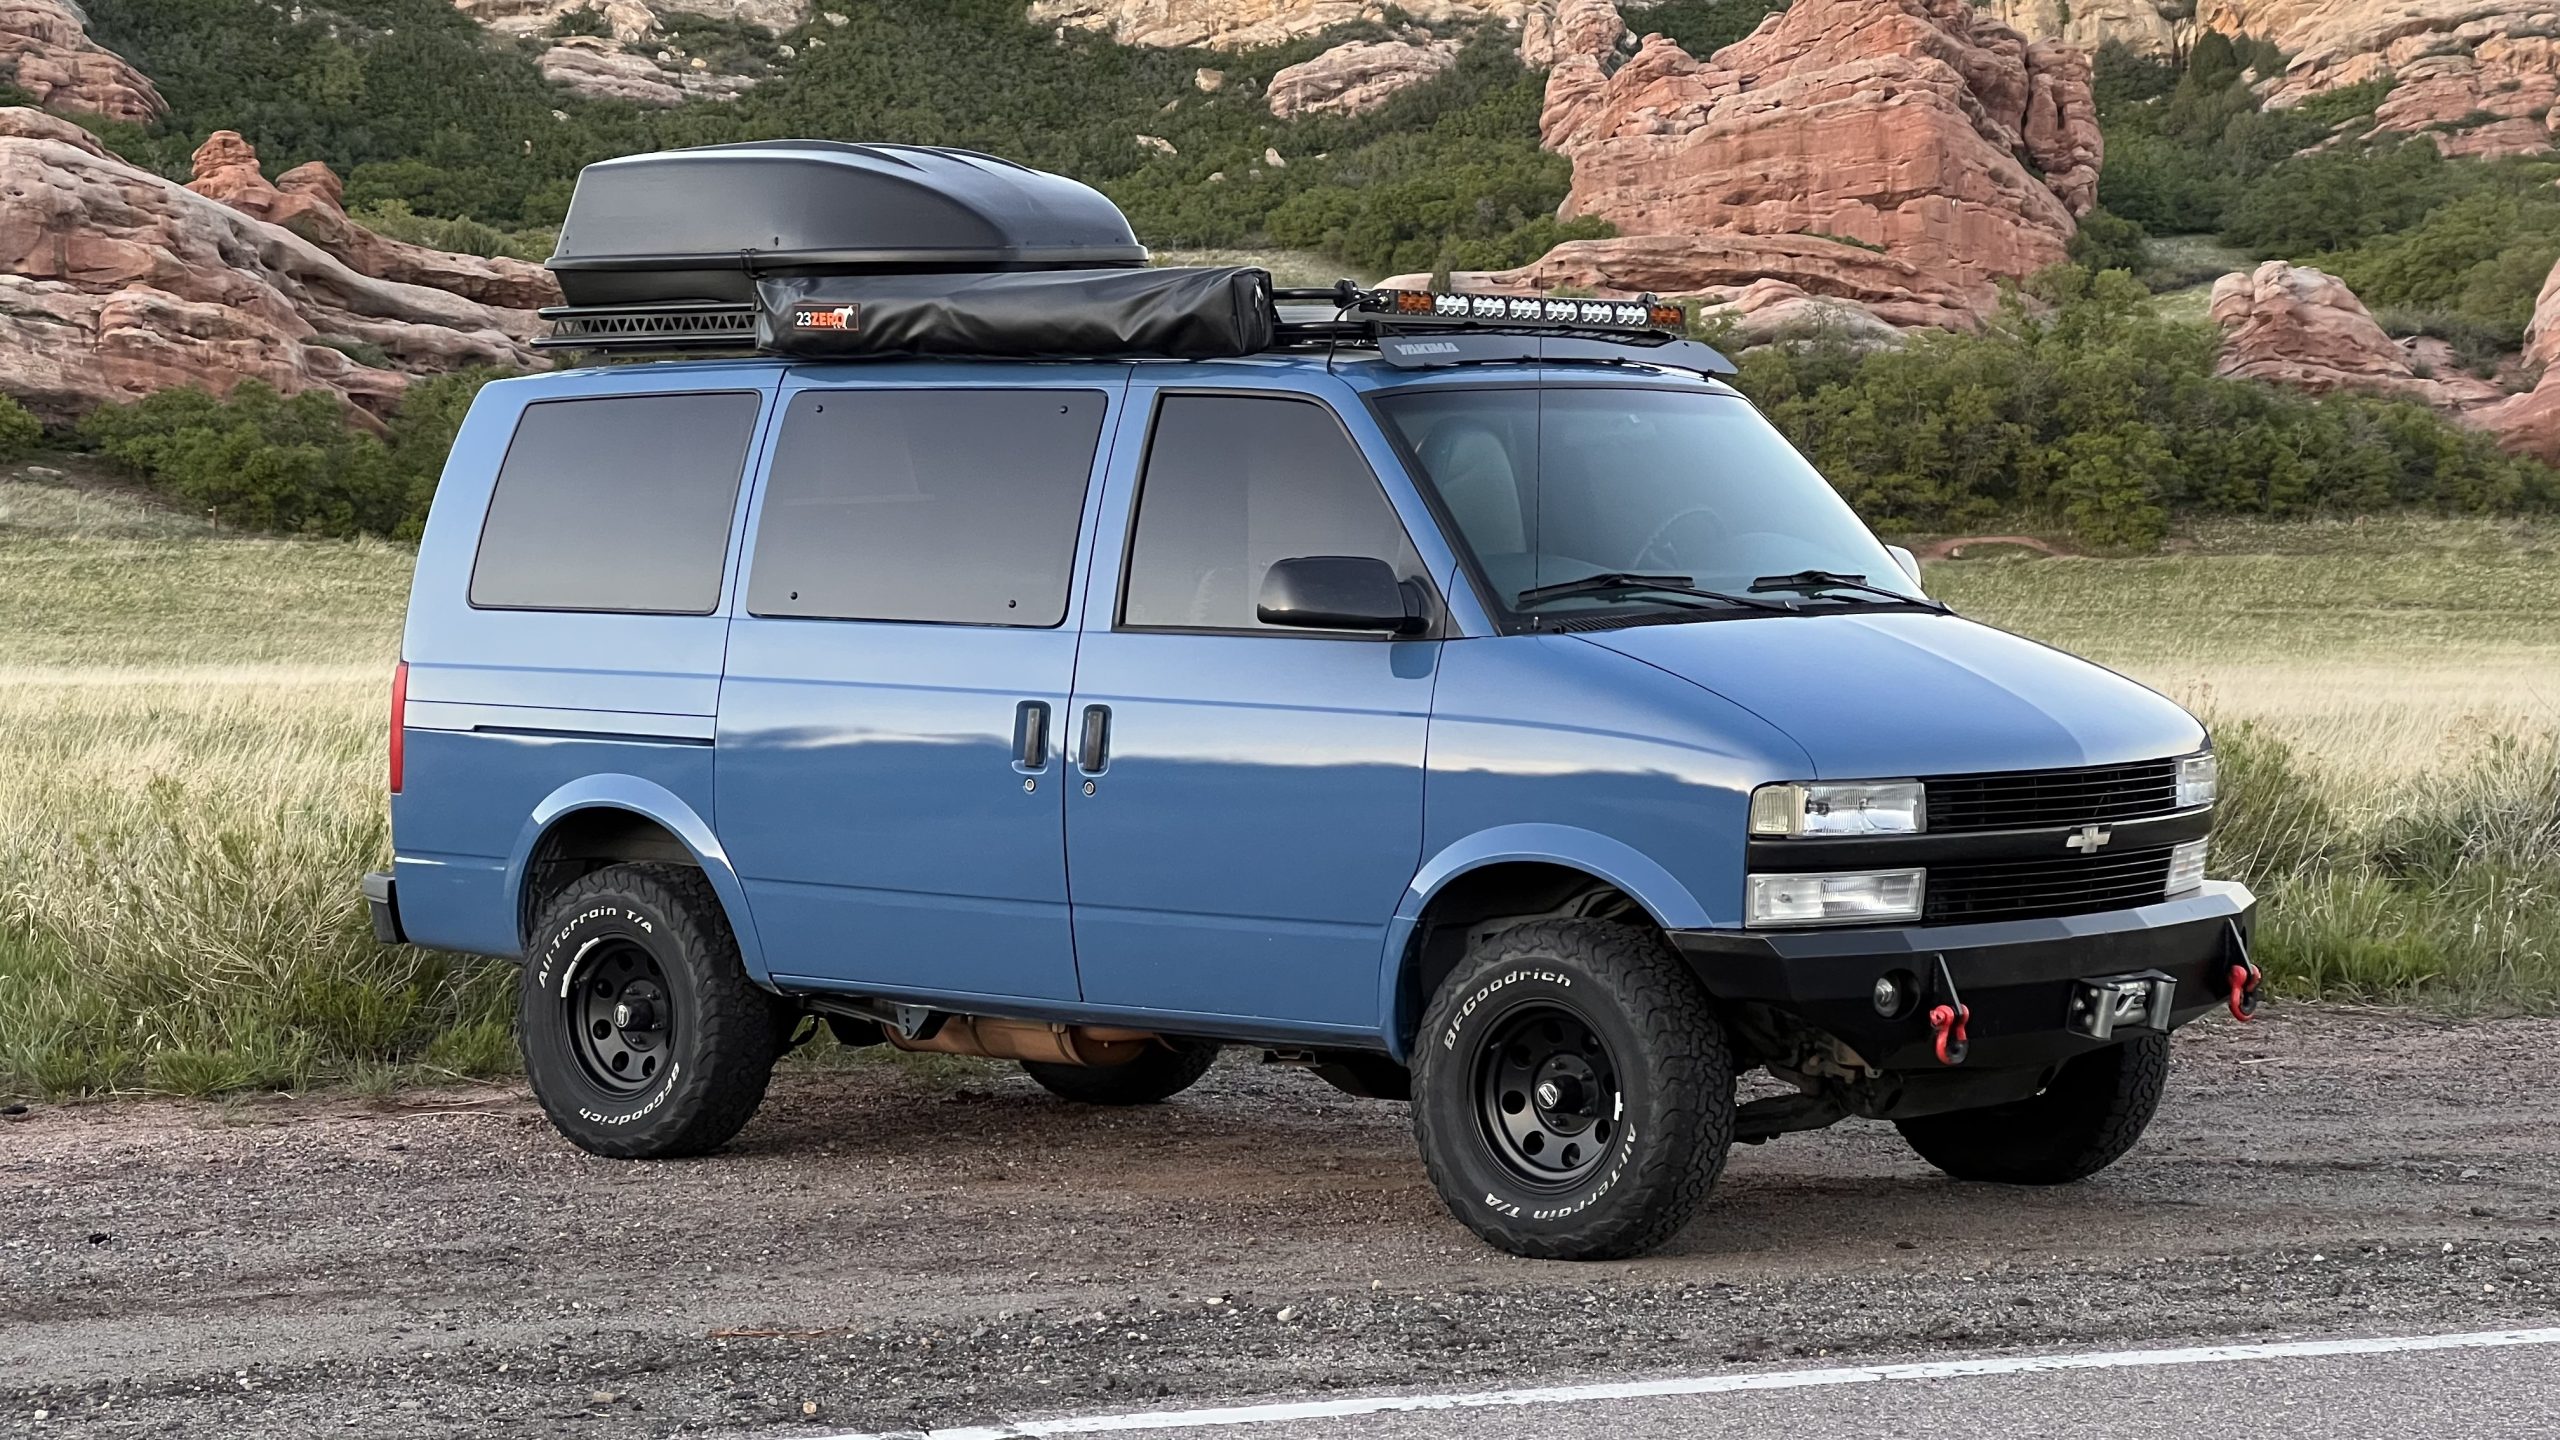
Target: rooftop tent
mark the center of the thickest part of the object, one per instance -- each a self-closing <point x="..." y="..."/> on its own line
<point x="706" y="224"/>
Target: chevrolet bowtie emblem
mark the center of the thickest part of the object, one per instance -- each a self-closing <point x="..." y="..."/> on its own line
<point x="2090" y="840"/>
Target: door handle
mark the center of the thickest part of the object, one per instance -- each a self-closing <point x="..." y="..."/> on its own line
<point x="1093" y="751"/>
<point x="1031" y="736"/>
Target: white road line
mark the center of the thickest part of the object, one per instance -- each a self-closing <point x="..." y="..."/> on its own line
<point x="1717" y="1385"/>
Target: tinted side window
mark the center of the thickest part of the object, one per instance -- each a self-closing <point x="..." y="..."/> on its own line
<point x="946" y="506"/>
<point x="1234" y="484"/>
<point x="619" y="503"/>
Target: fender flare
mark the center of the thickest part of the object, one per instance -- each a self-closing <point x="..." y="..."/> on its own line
<point x="656" y="803"/>
<point x="1644" y="880"/>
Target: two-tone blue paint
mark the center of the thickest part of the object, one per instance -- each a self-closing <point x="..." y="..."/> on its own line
<point x="1277" y="812"/>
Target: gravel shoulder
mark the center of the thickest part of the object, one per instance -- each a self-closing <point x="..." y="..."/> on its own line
<point x="887" y="1247"/>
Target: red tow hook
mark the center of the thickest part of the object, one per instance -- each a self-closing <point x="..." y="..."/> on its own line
<point x="1948" y="1018"/>
<point x="2245" y="979"/>
<point x="1948" y="1022"/>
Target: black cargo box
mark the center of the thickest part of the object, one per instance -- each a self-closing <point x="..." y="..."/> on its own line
<point x="707" y="224"/>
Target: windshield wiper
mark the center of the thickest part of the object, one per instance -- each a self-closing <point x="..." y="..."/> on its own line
<point x="1620" y="582"/>
<point x="1810" y="581"/>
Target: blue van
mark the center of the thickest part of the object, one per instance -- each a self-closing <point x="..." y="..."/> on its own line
<point x="1471" y="699"/>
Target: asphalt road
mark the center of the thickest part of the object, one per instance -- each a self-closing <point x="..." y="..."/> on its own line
<point x="891" y="1249"/>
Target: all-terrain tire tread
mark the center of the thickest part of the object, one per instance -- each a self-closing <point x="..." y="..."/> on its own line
<point x="742" y="1027"/>
<point x="1694" y="1061"/>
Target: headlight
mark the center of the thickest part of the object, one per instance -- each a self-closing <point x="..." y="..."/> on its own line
<point x="2198" y="777"/>
<point x="2186" y="866"/>
<point x="1842" y="898"/>
<point x="1892" y="807"/>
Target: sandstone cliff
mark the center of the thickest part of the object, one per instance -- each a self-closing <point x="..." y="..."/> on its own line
<point x="46" y="50"/>
<point x="1906" y="154"/>
<point x="1246" y="24"/>
<point x="1357" y="78"/>
<point x="2303" y="328"/>
<point x="115" y="283"/>
<point x="2530" y="423"/>
<point x="627" y="62"/>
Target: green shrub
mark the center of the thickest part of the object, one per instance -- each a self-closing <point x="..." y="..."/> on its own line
<point x="261" y="461"/>
<point x="2108" y="241"/>
<point x="589" y="22"/>
<point x="2099" y="415"/>
<point x="20" y="432"/>
<point x="1702" y="27"/>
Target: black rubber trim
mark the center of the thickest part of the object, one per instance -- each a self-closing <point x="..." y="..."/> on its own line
<point x="2043" y="842"/>
<point x="2017" y="975"/>
<point x="382" y="897"/>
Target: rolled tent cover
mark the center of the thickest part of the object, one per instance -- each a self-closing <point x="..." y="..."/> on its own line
<point x="1204" y="313"/>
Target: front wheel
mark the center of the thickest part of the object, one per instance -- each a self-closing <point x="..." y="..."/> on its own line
<point x="1573" y="1091"/>
<point x="2084" y="1121"/>
<point x="642" y="1035"/>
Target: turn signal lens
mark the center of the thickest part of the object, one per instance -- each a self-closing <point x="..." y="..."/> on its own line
<point x="2186" y="866"/>
<point x="1841" y="898"/>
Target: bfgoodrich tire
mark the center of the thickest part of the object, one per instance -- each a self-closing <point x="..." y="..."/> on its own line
<point x="1573" y="1091"/>
<point x="2084" y="1121"/>
<point x="641" y="1033"/>
<point x="1163" y="1072"/>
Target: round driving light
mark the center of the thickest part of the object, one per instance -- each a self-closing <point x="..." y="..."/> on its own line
<point x="1891" y="987"/>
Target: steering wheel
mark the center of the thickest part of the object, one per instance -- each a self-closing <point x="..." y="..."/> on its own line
<point x="1662" y="532"/>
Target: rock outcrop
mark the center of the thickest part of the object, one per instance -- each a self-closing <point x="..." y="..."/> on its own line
<point x="2152" y="27"/>
<point x="602" y="70"/>
<point x="1357" y="78"/>
<point x="630" y="19"/>
<point x="115" y="283"/>
<point x="1904" y="154"/>
<point x="2304" y="329"/>
<point x="2530" y="423"/>
<point x="46" y="44"/>
<point x="1248" y="24"/>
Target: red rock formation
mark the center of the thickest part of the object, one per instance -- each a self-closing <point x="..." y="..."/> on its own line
<point x="1910" y="125"/>
<point x="2303" y="328"/>
<point x="308" y="203"/>
<point x="2530" y="423"/>
<point x="1357" y="78"/>
<point x="115" y="283"/>
<point x="47" y="45"/>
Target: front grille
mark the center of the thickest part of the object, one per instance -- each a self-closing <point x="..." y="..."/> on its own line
<point x="2019" y="889"/>
<point x="2028" y="799"/>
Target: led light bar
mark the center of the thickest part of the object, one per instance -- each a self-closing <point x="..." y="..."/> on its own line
<point x="1557" y="310"/>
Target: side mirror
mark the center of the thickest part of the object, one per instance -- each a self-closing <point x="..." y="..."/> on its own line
<point x="1339" y="592"/>
<point x="1909" y="562"/>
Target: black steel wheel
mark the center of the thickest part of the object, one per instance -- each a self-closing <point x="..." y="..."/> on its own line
<point x="1573" y="1091"/>
<point x="620" y="1017"/>
<point x="1547" y="1090"/>
<point x="642" y="1035"/>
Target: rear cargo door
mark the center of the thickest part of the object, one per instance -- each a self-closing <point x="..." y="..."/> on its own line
<point x="889" y="749"/>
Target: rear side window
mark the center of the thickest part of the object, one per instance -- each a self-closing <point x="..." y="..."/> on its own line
<point x="1235" y="484"/>
<point x="951" y="507"/>
<point x="620" y="504"/>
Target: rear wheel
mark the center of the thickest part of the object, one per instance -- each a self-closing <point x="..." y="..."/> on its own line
<point x="1573" y="1091"/>
<point x="2094" y="1110"/>
<point x="642" y="1035"/>
<point x="1165" y="1070"/>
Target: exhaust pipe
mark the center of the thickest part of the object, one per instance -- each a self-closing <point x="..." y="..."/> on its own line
<point x="1092" y="1046"/>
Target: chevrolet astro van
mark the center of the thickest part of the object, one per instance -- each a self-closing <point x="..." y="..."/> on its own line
<point x="964" y="638"/>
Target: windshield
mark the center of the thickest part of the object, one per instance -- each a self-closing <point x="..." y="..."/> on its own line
<point x="1556" y="485"/>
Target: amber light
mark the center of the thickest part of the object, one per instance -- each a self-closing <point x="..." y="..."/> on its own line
<point x="1669" y="317"/>
<point x="399" y="725"/>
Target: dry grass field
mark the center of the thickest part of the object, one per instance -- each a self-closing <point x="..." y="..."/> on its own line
<point x="191" y="751"/>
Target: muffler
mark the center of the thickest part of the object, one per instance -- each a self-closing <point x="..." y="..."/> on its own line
<point x="1092" y="1046"/>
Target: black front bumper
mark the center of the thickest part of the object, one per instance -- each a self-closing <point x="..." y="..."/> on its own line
<point x="382" y="897"/>
<point x="2018" y="977"/>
